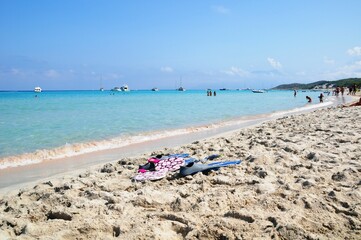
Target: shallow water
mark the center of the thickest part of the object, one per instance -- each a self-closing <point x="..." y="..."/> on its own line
<point x="58" y="124"/>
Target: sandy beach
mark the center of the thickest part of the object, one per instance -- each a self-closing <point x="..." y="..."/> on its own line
<point x="299" y="179"/>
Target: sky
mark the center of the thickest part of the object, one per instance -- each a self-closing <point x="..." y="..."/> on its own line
<point x="88" y="44"/>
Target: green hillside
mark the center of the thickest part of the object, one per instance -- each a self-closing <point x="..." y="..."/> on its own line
<point x="340" y="83"/>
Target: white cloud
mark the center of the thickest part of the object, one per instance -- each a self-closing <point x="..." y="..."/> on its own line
<point x="328" y="60"/>
<point x="166" y="69"/>
<point x="356" y="51"/>
<point x="15" y="71"/>
<point x="274" y="63"/>
<point x="51" y="73"/>
<point x="234" y="71"/>
<point x="220" y="9"/>
<point x="347" y="71"/>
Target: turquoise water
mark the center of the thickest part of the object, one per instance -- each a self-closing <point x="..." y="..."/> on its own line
<point x="60" y="119"/>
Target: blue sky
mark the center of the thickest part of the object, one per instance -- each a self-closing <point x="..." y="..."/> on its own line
<point x="74" y="44"/>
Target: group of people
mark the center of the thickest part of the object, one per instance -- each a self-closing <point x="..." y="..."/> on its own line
<point x="209" y="93"/>
<point x="336" y="92"/>
<point x="341" y="90"/>
<point x="309" y="99"/>
<point x="352" y="90"/>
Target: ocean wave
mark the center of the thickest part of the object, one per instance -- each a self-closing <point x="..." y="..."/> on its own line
<point x="70" y="150"/>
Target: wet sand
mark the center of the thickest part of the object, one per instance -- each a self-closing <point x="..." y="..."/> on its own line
<point x="299" y="179"/>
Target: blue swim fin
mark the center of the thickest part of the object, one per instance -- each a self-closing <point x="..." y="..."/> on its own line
<point x="193" y="168"/>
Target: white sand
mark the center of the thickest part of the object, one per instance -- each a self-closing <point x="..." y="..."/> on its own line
<point x="299" y="179"/>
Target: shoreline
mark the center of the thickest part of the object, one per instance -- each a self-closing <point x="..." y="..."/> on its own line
<point x="299" y="179"/>
<point x="30" y="173"/>
<point x="64" y="150"/>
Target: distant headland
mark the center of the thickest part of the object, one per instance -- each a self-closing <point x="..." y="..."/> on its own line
<point x="321" y="84"/>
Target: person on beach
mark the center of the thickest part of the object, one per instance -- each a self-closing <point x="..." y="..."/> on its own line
<point x="354" y="104"/>
<point x="353" y="91"/>
<point x="214" y="93"/>
<point x="294" y="93"/>
<point x="321" y="98"/>
<point x="308" y="99"/>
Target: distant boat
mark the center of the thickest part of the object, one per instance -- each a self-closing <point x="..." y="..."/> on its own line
<point x="37" y="89"/>
<point x="223" y="89"/>
<point x="123" y="88"/>
<point x="182" y="89"/>
<point x="116" y="89"/>
<point x="155" y="89"/>
<point x="101" y="84"/>
<point x="258" y="91"/>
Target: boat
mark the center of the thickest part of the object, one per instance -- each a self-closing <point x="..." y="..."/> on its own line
<point x="37" y="89"/>
<point x="182" y="89"/>
<point x="258" y="91"/>
<point x="101" y="84"/>
<point x="155" y="89"/>
<point x="124" y="88"/>
<point x="116" y="89"/>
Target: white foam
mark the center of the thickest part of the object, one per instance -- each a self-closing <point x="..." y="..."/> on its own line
<point x="69" y="150"/>
<point x="304" y="108"/>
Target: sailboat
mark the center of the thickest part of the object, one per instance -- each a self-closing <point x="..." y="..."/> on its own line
<point x="182" y="89"/>
<point x="101" y="84"/>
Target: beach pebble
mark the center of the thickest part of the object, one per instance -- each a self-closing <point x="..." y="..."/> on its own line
<point x="222" y="180"/>
<point x="59" y="215"/>
<point x="261" y="173"/>
<point x="107" y="168"/>
<point x="339" y="176"/>
<point x="49" y="183"/>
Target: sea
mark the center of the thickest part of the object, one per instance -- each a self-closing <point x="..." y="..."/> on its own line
<point x="37" y="127"/>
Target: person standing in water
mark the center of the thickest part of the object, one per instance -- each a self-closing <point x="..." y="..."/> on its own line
<point x="321" y="98"/>
<point x="308" y="99"/>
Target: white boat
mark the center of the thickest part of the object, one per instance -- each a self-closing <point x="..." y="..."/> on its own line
<point x="124" y="88"/>
<point x="37" y="89"/>
<point x="258" y="91"/>
<point x="155" y="89"/>
<point x="101" y="89"/>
